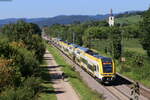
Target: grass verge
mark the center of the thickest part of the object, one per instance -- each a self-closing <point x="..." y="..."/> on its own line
<point x="80" y="87"/>
<point x="139" y="73"/>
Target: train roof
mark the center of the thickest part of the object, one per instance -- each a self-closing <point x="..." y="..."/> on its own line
<point x="90" y="52"/>
<point x="101" y="57"/>
<point x="83" y="49"/>
<point x="74" y="45"/>
<point x="59" y="39"/>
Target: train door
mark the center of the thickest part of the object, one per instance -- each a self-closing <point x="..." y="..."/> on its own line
<point x="96" y="71"/>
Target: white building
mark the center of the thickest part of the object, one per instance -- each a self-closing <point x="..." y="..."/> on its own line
<point x="111" y="19"/>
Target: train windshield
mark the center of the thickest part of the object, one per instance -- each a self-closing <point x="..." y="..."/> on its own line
<point x="107" y="65"/>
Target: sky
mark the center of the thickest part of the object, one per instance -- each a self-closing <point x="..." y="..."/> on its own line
<point x="51" y="8"/>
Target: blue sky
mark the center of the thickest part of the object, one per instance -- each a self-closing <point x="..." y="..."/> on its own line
<point x="50" y="8"/>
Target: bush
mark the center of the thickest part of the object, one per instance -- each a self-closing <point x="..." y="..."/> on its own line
<point x="27" y="91"/>
<point x="37" y="45"/>
<point x="22" y="45"/>
<point x="33" y="83"/>
<point x="22" y="93"/>
<point x="23" y="63"/>
<point x="135" y="58"/>
<point x="26" y="61"/>
<point x="27" y="33"/>
<point x="6" y="73"/>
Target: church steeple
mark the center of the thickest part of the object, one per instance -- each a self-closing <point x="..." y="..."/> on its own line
<point x="111" y="12"/>
<point x="111" y="18"/>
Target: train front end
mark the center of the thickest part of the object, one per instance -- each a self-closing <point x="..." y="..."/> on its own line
<point x="107" y="70"/>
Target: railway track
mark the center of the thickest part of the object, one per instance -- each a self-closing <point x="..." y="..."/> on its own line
<point x="119" y="94"/>
<point x="119" y="90"/>
<point x="143" y="92"/>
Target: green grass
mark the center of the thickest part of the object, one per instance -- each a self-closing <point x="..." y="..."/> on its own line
<point x="80" y="87"/>
<point x="129" y="20"/>
<point x="140" y="73"/>
<point x="134" y="72"/>
<point x="128" y="45"/>
<point x="134" y="46"/>
<point x="47" y="91"/>
<point x="132" y="43"/>
<point x="131" y="70"/>
<point x="137" y="50"/>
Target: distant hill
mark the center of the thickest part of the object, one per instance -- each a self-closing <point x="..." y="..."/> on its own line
<point x="70" y="19"/>
<point x="63" y="19"/>
<point x="132" y="16"/>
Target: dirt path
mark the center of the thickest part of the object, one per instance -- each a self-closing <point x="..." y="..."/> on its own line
<point x="64" y="91"/>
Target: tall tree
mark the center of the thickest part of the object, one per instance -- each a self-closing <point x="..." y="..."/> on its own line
<point x="145" y="30"/>
<point x="115" y="42"/>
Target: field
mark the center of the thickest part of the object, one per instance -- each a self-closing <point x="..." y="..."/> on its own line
<point x="134" y="45"/>
<point x="130" y="20"/>
<point x="129" y="68"/>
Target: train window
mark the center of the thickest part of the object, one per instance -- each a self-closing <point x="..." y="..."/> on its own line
<point x="84" y="61"/>
<point x="96" y="68"/>
<point x="107" y="68"/>
<point x="106" y="60"/>
<point x="91" y="67"/>
<point x="107" y="65"/>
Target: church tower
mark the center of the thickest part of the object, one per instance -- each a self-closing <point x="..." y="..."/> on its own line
<point x="111" y="19"/>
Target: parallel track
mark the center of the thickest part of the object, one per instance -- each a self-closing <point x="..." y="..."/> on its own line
<point x="119" y="94"/>
<point x="144" y="92"/>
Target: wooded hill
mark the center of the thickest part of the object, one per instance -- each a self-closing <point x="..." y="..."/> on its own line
<point x="63" y="19"/>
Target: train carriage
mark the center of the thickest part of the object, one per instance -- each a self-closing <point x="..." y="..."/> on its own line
<point x="98" y="66"/>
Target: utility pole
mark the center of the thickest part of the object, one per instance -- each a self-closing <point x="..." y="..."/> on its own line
<point x="73" y="37"/>
<point x="122" y="45"/>
<point x="74" y="57"/>
<point x="122" y="42"/>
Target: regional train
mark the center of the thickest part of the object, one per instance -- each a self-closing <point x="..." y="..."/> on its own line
<point x="100" y="67"/>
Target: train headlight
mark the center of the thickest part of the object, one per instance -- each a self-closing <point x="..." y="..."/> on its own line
<point x="113" y="77"/>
